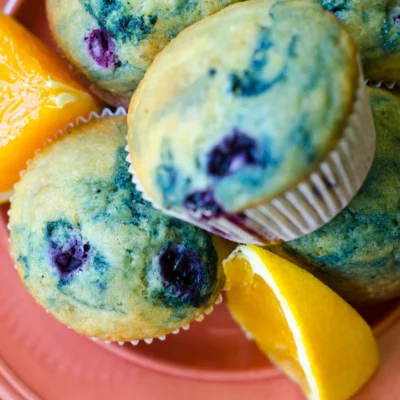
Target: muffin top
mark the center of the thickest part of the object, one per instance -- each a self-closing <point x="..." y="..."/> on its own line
<point x="214" y="128"/>
<point x="95" y="254"/>
<point x="358" y="252"/>
<point x="375" y="27"/>
<point x="114" y="42"/>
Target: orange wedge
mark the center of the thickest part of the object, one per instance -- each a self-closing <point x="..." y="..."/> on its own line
<point x="38" y="97"/>
<point x="305" y="328"/>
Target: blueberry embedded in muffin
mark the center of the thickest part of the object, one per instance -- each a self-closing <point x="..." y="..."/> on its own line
<point x="233" y="153"/>
<point x="102" y="49"/>
<point x="68" y="252"/>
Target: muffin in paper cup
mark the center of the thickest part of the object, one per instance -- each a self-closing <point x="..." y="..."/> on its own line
<point x="357" y="254"/>
<point x="96" y="255"/>
<point x="254" y="123"/>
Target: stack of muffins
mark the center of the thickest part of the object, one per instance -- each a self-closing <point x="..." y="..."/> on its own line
<point x="254" y="124"/>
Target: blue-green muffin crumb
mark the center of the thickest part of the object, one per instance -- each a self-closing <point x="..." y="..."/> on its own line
<point x="358" y="253"/>
<point x="121" y="25"/>
<point x="94" y="248"/>
<point x="375" y="27"/>
<point x="251" y="82"/>
<point x="113" y="43"/>
<point x="335" y="6"/>
<point x="101" y="200"/>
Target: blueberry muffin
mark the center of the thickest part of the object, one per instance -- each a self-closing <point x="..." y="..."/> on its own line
<point x="95" y="254"/>
<point x="241" y="108"/>
<point x="113" y="43"/>
<point x="358" y="253"/>
<point x="375" y="26"/>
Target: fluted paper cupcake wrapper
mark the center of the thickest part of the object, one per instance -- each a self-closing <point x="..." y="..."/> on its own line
<point x="198" y="318"/>
<point x="383" y="84"/>
<point x="120" y="111"/>
<point x="313" y="202"/>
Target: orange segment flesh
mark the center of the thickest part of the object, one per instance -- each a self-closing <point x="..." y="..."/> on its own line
<point x="39" y="96"/>
<point x="247" y="290"/>
<point x="305" y="328"/>
<point x="279" y="343"/>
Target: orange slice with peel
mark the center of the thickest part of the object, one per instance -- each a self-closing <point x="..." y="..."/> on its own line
<point x="304" y="327"/>
<point x="38" y="96"/>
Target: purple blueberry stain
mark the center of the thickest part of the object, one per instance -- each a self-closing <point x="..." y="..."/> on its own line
<point x="234" y="152"/>
<point x="203" y="202"/>
<point x="182" y="273"/>
<point x="205" y="208"/>
<point x="102" y="49"/>
<point x="329" y="184"/>
<point x="223" y="234"/>
<point x="68" y="251"/>
<point x="70" y="257"/>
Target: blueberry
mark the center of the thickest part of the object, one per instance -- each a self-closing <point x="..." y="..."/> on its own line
<point x="69" y="257"/>
<point x="182" y="273"/>
<point x="395" y="14"/>
<point x="102" y="49"/>
<point x="205" y="202"/>
<point x="235" y="151"/>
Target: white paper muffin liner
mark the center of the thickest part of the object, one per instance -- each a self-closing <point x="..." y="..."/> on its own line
<point x="313" y="202"/>
<point x="385" y="84"/>
<point x="199" y="318"/>
<point x="120" y="111"/>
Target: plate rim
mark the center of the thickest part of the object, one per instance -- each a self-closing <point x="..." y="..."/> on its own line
<point x="11" y="7"/>
<point x="269" y="372"/>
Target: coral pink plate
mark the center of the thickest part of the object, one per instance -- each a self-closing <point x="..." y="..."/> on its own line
<point x="41" y="359"/>
<point x="10" y="7"/>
